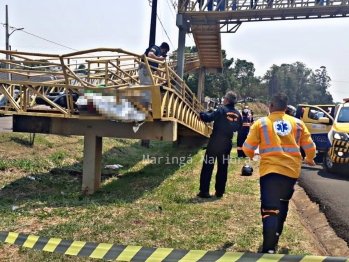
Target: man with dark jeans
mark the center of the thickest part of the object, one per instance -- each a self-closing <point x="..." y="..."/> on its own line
<point x="220" y="150"/>
<point x="276" y="192"/>
<point x="279" y="138"/>
<point x="227" y="120"/>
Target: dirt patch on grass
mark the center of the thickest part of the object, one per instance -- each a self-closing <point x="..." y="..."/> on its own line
<point x="328" y="243"/>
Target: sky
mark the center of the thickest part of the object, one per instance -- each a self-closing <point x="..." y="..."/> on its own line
<point x="64" y="26"/>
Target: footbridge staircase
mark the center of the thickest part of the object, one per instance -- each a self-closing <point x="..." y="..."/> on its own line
<point x="206" y="20"/>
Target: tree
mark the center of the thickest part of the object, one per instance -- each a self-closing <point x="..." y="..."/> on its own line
<point x="34" y="64"/>
<point x="216" y="85"/>
<point x="300" y="83"/>
<point x="244" y="74"/>
<point x="321" y="82"/>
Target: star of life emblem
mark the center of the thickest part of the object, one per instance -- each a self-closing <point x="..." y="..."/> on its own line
<point x="282" y="127"/>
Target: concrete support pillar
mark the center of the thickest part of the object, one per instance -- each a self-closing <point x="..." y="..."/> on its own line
<point x="182" y="25"/>
<point x="200" y="94"/>
<point x="91" y="173"/>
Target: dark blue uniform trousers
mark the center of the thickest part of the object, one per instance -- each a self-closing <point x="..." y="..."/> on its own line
<point x="242" y="135"/>
<point x="276" y="190"/>
<point x="217" y="149"/>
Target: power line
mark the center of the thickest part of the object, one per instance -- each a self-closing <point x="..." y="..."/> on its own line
<point x="174" y="7"/>
<point x="171" y="9"/>
<point x="165" y="31"/>
<point x="41" y="38"/>
<point x="163" y="28"/>
<point x="48" y="40"/>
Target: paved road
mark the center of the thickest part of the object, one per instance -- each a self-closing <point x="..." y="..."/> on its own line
<point x="5" y="124"/>
<point x="331" y="193"/>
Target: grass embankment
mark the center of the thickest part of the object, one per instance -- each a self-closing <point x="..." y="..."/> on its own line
<point x="259" y="109"/>
<point x="127" y="208"/>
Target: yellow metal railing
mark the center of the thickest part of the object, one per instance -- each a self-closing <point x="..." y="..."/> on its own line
<point x="28" y="78"/>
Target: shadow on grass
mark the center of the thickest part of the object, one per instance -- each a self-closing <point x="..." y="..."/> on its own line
<point x="24" y="142"/>
<point x="198" y="200"/>
<point x="226" y="246"/>
<point x="62" y="186"/>
<point x="283" y="250"/>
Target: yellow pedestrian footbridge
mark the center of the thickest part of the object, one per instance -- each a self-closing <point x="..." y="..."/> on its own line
<point x="97" y="93"/>
<point x="99" y="84"/>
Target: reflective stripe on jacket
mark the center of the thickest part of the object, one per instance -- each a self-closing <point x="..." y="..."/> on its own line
<point x="247" y="120"/>
<point x="279" y="137"/>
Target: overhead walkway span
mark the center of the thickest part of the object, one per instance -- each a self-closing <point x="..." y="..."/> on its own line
<point x="97" y="93"/>
<point x="206" y="21"/>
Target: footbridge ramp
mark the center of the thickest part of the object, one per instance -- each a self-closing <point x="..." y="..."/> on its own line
<point x="99" y="84"/>
<point x="97" y="93"/>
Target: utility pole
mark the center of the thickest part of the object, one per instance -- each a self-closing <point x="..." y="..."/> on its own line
<point x="152" y="36"/>
<point x="7" y="37"/>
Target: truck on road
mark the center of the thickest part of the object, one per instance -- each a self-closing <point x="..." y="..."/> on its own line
<point x="329" y="128"/>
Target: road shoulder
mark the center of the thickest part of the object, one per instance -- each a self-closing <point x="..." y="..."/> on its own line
<point x="316" y="223"/>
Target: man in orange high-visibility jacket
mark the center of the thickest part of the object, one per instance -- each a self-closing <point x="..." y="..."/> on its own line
<point x="279" y="137"/>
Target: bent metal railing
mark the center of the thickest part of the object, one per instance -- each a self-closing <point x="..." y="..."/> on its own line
<point x="28" y="82"/>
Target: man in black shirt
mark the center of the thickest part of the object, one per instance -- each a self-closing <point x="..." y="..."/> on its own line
<point x="227" y="120"/>
<point x="155" y="52"/>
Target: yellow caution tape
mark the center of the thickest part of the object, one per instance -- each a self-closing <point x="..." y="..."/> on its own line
<point x="138" y="253"/>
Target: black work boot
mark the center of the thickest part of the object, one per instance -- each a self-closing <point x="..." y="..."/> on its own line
<point x="218" y="194"/>
<point x="204" y="195"/>
<point x="270" y="240"/>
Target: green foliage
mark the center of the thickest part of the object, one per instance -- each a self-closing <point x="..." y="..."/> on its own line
<point x="36" y="64"/>
<point x="301" y="84"/>
<point x="215" y="84"/>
